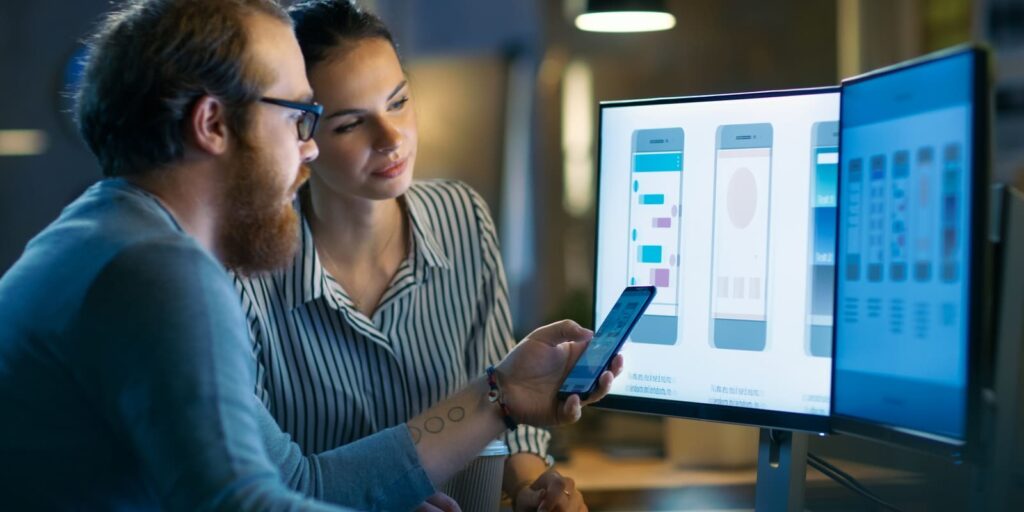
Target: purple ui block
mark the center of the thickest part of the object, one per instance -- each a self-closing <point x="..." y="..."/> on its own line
<point x="659" y="277"/>
<point x="661" y="222"/>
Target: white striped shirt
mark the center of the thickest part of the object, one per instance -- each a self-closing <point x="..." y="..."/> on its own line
<point x="330" y="375"/>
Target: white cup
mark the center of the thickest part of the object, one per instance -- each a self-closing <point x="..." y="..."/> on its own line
<point x="478" y="486"/>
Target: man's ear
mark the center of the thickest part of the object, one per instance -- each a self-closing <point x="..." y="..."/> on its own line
<point x="207" y="126"/>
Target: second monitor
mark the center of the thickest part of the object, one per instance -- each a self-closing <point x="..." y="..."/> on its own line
<point x="727" y="205"/>
<point x="911" y="350"/>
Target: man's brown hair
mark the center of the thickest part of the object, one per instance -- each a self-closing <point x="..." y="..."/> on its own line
<point x="147" y="65"/>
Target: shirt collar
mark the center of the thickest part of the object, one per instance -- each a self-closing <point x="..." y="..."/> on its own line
<point x="307" y="280"/>
<point x="423" y="232"/>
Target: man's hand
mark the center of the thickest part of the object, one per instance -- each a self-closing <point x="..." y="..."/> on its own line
<point x="532" y="372"/>
<point x="549" y="493"/>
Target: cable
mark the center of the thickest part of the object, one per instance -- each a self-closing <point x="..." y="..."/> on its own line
<point x="853" y="486"/>
<point x="842" y="474"/>
<point x="848" y="479"/>
<point x="844" y="479"/>
<point x="850" y="485"/>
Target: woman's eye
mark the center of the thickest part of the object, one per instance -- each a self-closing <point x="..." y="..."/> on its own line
<point x="400" y="103"/>
<point x="347" y="127"/>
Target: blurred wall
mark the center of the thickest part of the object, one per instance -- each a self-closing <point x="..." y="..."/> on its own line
<point x="37" y="39"/>
<point x="460" y="113"/>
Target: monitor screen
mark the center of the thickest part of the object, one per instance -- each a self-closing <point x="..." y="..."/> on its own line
<point x="904" y="252"/>
<point x="727" y="204"/>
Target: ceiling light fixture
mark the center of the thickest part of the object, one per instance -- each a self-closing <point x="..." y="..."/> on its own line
<point x="625" y="16"/>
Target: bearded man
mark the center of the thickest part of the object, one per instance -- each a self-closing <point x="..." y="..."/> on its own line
<point x="126" y="375"/>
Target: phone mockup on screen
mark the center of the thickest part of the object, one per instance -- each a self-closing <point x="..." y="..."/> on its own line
<point x="607" y="341"/>
<point x="854" y="197"/>
<point x="924" y="191"/>
<point x="876" y="217"/>
<point x="739" y="251"/>
<point x="654" y="237"/>
<point x="821" y="278"/>
<point x="754" y="169"/>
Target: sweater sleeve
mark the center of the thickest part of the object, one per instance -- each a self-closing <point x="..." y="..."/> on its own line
<point x="378" y="472"/>
<point x="167" y="359"/>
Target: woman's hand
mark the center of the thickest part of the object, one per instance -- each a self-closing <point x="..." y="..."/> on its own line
<point x="532" y="372"/>
<point x="551" y="492"/>
<point x="439" y="502"/>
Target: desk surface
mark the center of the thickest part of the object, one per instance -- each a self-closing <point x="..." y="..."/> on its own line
<point x="594" y="470"/>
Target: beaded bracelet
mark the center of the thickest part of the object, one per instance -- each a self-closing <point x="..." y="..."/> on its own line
<point x="494" y="395"/>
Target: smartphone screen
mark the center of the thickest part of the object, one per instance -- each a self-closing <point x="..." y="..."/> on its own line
<point x="739" y="252"/>
<point x="654" y="238"/>
<point x="607" y="340"/>
<point x="821" y="279"/>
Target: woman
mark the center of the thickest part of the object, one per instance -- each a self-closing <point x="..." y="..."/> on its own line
<point x="397" y="295"/>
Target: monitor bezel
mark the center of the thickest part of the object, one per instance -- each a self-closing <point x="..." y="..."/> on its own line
<point x="696" y="410"/>
<point x="979" y="268"/>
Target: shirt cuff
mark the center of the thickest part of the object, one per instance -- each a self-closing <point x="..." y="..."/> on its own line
<point x="527" y="439"/>
<point x="379" y="472"/>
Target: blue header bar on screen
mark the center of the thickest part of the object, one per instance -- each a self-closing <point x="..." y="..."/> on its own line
<point x="655" y="140"/>
<point x="914" y="91"/>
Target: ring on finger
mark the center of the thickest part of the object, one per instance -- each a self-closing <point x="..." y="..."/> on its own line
<point x="565" y="492"/>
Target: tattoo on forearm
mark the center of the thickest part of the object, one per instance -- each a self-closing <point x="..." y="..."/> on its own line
<point x="434" y="425"/>
<point x="456" y="414"/>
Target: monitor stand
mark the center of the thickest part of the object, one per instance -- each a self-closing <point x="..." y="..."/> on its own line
<point x="1000" y="475"/>
<point x="781" y="470"/>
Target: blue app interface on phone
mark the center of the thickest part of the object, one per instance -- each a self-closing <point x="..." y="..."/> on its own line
<point x="590" y="365"/>
<point x="903" y="253"/>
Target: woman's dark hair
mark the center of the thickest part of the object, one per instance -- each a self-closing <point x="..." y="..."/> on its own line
<point x="147" y="65"/>
<point x="323" y="25"/>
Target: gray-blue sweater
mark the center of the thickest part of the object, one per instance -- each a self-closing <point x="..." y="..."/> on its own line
<point x="127" y="381"/>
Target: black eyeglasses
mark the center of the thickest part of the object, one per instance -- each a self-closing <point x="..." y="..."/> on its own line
<point x="311" y="113"/>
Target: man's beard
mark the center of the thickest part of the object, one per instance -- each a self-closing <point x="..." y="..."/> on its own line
<point x="260" y="231"/>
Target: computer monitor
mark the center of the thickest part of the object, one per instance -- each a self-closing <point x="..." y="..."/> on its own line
<point x="911" y="260"/>
<point x="727" y="205"/>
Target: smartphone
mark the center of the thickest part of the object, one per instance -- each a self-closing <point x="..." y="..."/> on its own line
<point x="607" y="341"/>
<point x="821" y="278"/>
<point x="739" y="242"/>
<point x="654" y="239"/>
